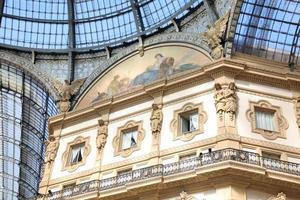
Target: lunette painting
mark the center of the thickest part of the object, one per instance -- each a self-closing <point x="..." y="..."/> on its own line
<point x="157" y="63"/>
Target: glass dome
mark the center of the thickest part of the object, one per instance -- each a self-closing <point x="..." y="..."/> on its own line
<point x="84" y="24"/>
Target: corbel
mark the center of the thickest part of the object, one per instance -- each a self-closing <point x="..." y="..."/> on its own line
<point x="141" y="46"/>
<point x="175" y="24"/>
<point x="108" y="52"/>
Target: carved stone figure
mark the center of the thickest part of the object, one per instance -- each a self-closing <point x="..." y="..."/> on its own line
<point x="156" y="119"/>
<point x="214" y="36"/>
<point x="280" y="196"/>
<point x="298" y="111"/>
<point x="66" y="91"/>
<point x="102" y="135"/>
<point x="185" y="196"/>
<point x="51" y="147"/>
<point x="226" y="104"/>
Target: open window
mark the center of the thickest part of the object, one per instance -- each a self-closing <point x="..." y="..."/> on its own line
<point x="76" y="153"/>
<point x="188" y="122"/>
<point x="128" y="139"/>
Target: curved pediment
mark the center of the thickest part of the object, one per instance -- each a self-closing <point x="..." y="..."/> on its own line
<point x="135" y="71"/>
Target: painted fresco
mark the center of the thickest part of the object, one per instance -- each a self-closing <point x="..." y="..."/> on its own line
<point x="157" y="63"/>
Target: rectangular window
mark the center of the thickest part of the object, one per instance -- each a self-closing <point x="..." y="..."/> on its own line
<point x="189" y="121"/>
<point x="76" y="153"/>
<point x="265" y="120"/>
<point x="129" y="138"/>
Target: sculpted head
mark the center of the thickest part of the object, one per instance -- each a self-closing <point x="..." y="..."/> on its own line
<point x="218" y="86"/>
<point x="155" y="106"/>
<point x="101" y="122"/>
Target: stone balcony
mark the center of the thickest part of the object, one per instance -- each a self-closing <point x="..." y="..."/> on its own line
<point x="220" y="160"/>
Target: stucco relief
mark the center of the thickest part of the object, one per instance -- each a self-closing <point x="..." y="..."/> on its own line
<point x="214" y="36"/>
<point x="101" y="136"/>
<point x="51" y="150"/>
<point x="298" y="111"/>
<point x="156" y="120"/>
<point x="226" y="107"/>
<point x="280" y="196"/>
<point x="66" y="91"/>
<point x="185" y="196"/>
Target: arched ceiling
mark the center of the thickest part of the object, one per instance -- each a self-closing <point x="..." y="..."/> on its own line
<point x="71" y="25"/>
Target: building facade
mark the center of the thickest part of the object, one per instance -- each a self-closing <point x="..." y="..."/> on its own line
<point x="158" y="100"/>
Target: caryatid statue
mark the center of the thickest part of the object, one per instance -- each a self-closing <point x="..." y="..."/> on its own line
<point x="51" y="149"/>
<point x="156" y="120"/>
<point x="185" y="196"/>
<point x="280" y="196"/>
<point x="226" y="104"/>
<point x="102" y="135"/>
<point x="298" y="111"/>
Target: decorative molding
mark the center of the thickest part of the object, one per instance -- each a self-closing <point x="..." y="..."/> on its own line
<point x="66" y="155"/>
<point x="175" y="123"/>
<point x="280" y="121"/>
<point x="117" y="141"/>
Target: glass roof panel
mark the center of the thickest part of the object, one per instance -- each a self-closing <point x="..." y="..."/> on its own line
<point x="268" y="28"/>
<point x="44" y="24"/>
<point x="37" y="9"/>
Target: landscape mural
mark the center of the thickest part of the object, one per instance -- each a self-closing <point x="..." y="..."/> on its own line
<point x="157" y="63"/>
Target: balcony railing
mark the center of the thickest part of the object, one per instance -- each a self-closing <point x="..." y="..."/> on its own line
<point x="162" y="171"/>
